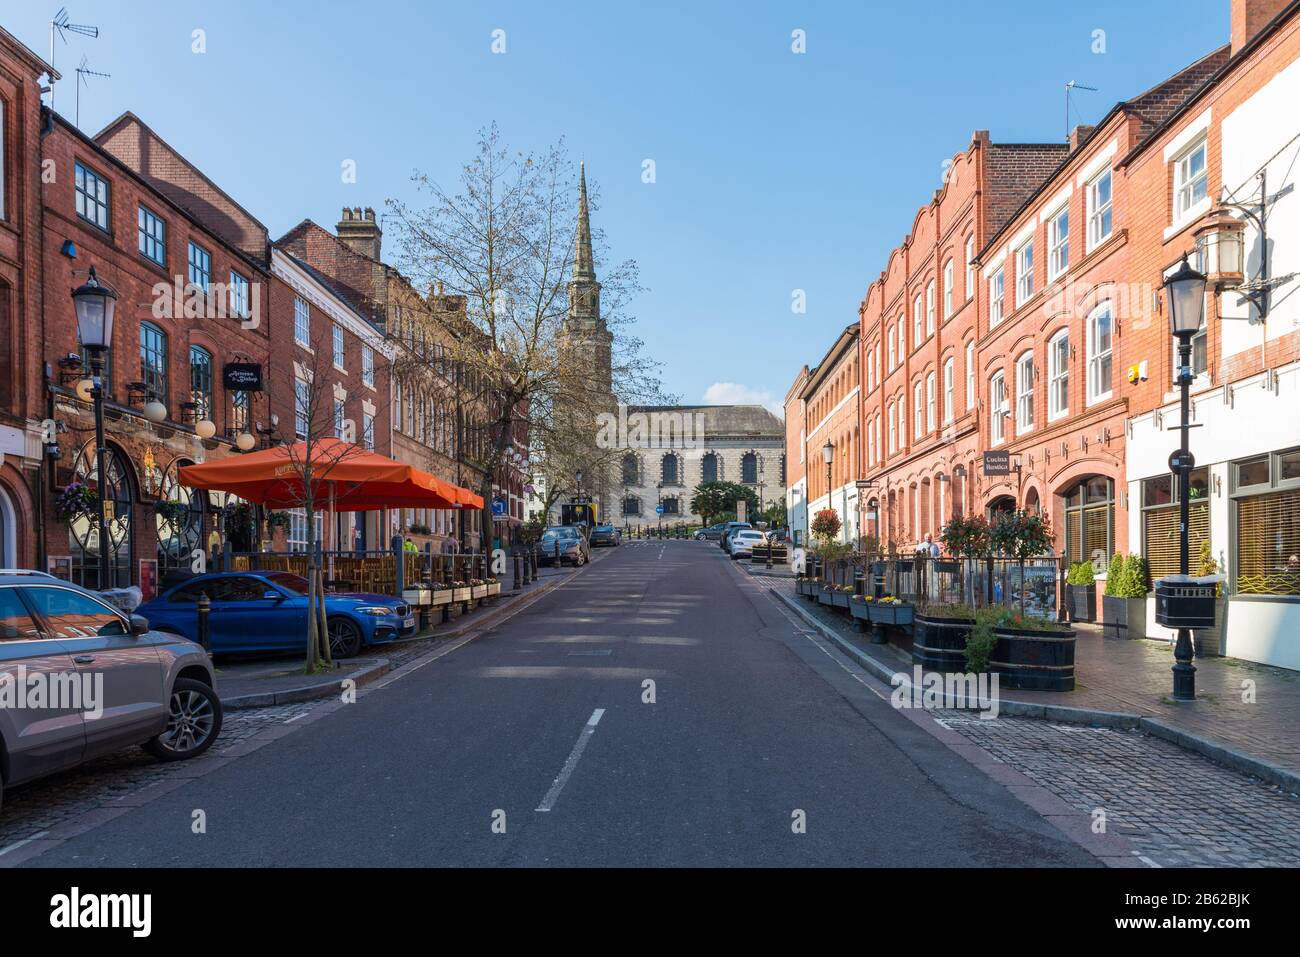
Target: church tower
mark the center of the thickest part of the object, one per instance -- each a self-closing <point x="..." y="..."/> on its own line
<point x="587" y="338"/>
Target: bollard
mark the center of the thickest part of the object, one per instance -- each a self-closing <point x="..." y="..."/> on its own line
<point x="205" y="609"/>
<point x="557" y="553"/>
<point x="518" y="563"/>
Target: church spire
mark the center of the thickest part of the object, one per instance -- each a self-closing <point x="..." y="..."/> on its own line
<point x="584" y="268"/>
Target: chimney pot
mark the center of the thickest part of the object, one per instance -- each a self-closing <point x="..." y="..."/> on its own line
<point x="1251" y="16"/>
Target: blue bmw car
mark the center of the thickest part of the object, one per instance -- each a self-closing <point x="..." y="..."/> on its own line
<point x="267" y="611"/>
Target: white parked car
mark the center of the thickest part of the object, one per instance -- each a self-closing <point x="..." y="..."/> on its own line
<point x="743" y="542"/>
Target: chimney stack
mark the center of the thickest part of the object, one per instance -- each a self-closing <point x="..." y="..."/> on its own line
<point x="1079" y="134"/>
<point x="360" y="232"/>
<point x="1251" y="16"/>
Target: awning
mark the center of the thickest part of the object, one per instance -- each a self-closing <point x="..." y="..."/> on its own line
<point x="344" y="476"/>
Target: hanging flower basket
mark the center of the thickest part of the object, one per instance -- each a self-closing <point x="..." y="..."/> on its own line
<point x="276" y="520"/>
<point x="174" y="512"/>
<point x="77" y="498"/>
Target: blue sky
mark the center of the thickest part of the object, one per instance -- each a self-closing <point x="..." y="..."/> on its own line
<point x="775" y="171"/>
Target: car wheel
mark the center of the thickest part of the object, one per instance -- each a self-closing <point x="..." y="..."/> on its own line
<point x="193" y="722"/>
<point x="345" y="638"/>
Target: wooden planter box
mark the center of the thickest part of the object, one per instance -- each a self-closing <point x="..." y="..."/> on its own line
<point x="860" y="610"/>
<point x="1034" y="660"/>
<point x="441" y="596"/>
<point x="840" y="599"/>
<point x="826" y="597"/>
<point x="478" y="591"/>
<point x="417" y="596"/>
<point x="460" y="594"/>
<point x="1082" y="602"/>
<point x="494" y="588"/>
<point x="939" y="644"/>
<point x="1123" y="617"/>
<point x="888" y="613"/>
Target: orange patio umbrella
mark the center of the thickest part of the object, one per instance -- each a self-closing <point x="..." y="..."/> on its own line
<point x="350" y="478"/>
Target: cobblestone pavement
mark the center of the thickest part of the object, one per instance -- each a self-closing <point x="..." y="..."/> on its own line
<point x="1177" y="808"/>
<point x="34" y="808"/>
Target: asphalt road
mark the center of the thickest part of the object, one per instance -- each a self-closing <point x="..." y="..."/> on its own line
<point x="754" y="726"/>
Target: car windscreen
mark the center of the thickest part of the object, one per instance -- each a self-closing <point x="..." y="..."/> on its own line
<point x="289" y="582"/>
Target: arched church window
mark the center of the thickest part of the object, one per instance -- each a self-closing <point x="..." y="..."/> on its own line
<point x="749" y="469"/>
<point x="710" y="466"/>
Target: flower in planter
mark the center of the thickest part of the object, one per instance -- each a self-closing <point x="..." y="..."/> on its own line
<point x="174" y="512"/>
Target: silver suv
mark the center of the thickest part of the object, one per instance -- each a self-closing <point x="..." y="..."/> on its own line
<point x="78" y="679"/>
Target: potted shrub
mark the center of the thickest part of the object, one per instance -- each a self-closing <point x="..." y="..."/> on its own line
<point x="1124" y="604"/>
<point x="1024" y="651"/>
<point x="969" y="539"/>
<point x="1081" y="592"/>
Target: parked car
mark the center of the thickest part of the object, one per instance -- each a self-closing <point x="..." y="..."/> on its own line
<point x="267" y="611"/>
<point x="724" y="542"/>
<point x="743" y="541"/>
<point x="604" y="535"/>
<point x="136" y="685"/>
<point x="712" y="533"/>
<point x="573" y="548"/>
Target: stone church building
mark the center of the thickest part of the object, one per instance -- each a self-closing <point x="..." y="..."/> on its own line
<point x="730" y="443"/>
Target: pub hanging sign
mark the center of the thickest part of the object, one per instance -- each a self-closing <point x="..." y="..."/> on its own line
<point x="242" y="376"/>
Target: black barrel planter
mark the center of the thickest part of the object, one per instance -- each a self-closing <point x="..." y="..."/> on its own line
<point x="1083" y="602"/>
<point x="1034" y="660"/>
<point x="939" y="644"/>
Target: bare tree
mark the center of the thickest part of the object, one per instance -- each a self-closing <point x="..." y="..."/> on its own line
<point x="504" y="241"/>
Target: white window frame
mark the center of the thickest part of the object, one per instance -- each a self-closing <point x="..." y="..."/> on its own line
<point x="301" y="407"/>
<point x="893" y="431"/>
<point x="948" y="297"/>
<point x="240" y="305"/>
<point x="1186" y="203"/>
<point x="918" y="411"/>
<point x="340" y="417"/>
<point x="1096" y="355"/>
<point x="1097" y="213"/>
<point x="902" y="420"/>
<point x="1025" y="393"/>
<point x="301" y="322"/>
<point x="970" y="375"/>
<point x="1058" y="375"/>
<point x="917" y="335"/>
<point x="949" y="400"/>
<point x="1025" y="273"/>
<point x="997" y="421"/>
<point x="892" y="361"/>
<point x="997" y="295"/>
<point x="931" y="412"/>
<point x="338" y="345"/>
<point x="1058" y="243"/>
<point x="368" y="431"/>
<point x="367" y="366"/>
<point x="929" y="308"/>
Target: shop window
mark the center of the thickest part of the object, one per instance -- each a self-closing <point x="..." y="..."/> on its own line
<point x="1160" y="521"/>
<point x="1266" y="501"/>
<point x="1090" y="521"/>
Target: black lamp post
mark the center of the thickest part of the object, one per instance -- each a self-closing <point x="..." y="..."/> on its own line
<point x="95" y="305"/>
<point x="1185" y="291"/>
<point x="828" y="456"/>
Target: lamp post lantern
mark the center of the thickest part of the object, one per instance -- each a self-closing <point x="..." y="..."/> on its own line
<point x="95" y="305"/>
<point x="828" y="456"/>
<point x="1185" y="291"/>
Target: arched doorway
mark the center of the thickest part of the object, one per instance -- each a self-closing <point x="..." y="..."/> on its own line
<point x="1002" y="504"/>
<point x="84" y="537"/>
<point x="8" y="531"/>
<point x="1090" y="520"/>
<point x="1032" y="505"/>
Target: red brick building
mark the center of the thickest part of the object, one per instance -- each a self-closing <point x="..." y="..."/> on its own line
<point x="191" y="270"/>
<point x="1231" y="152"/>
<point x="21" y="408"/>
<point x="921" y="329"/>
